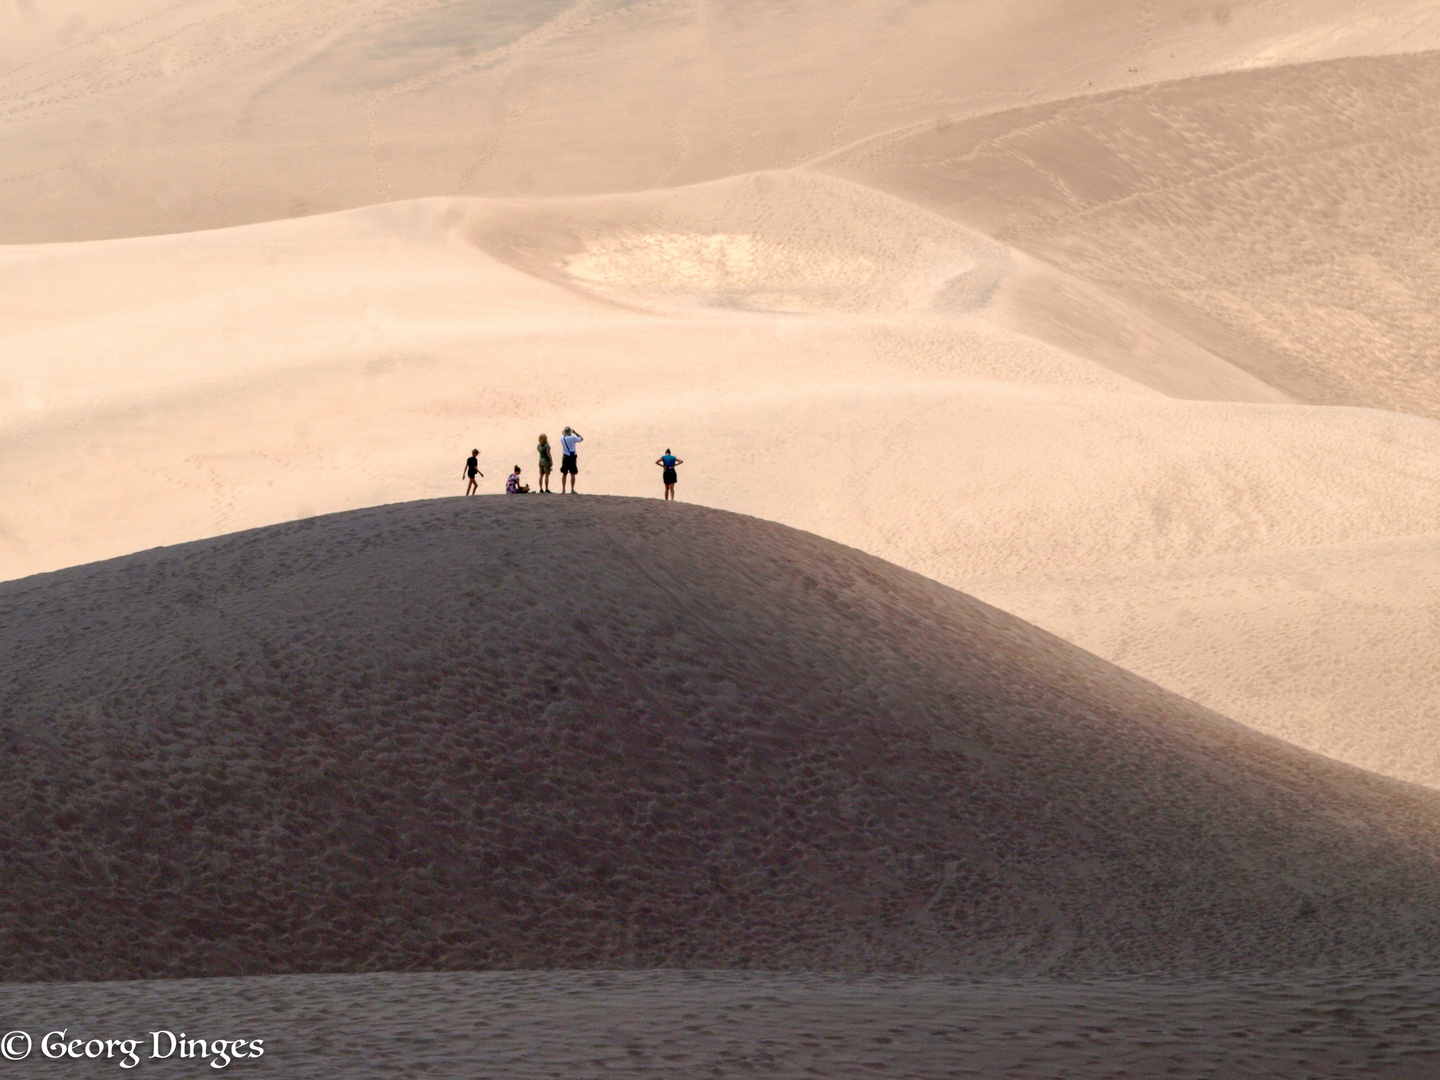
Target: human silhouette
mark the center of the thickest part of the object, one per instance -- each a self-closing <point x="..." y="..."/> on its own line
<point x="569" y="458"/>
<point x="668" y="461"/>
<point x="472" y="470"/>
<point x="546" y="461"/>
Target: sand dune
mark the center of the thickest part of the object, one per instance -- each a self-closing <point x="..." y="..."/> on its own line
<point x="1279" y="218"/>
<point x="679" y="1025"/>
<point x="1332" y="648"/>
<point x="1089" y="207"/>
<point x="311" y="366"/>
<point x="177" y="387"/>
<point x="337" y="362"/>
<point x="131" y="117"/>
<point x="1117" y="315"/>
<point x="1282" y="218"/>
<point x="595" y="732"/>
<point x="802" y="243"/>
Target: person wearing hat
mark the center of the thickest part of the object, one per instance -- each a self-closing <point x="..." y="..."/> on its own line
<point x="569" y="459"/>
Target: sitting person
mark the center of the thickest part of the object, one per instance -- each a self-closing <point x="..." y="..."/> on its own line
<point x="513" y="485"/>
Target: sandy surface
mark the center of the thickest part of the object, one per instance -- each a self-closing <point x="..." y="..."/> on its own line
<point x="1099" y="311"/>
<point x="558" y="732"/>
<point x="1331" y="648"/>
<point x="1116" y="314"/>
<point x="566" y="1025"/>
<point x="1281" y="217"/>
<point x="127" y="117"/>
<point x="818" y="353"/>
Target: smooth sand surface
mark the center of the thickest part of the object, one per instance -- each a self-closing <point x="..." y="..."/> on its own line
<point x="1283" y="218"/>
<point x="398" y="738"/>
<point x="128" y="117"/>
<point x="565" y="1024"/>
<point x="1331" y="648"/>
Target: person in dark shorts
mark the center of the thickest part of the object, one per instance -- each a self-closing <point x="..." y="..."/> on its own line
<point x="513" y="485"/>
<point x="472" y="470"/>
<point x="542" y="486"/>
<point x="569" y="458"/>
<point x="668" y="461"/>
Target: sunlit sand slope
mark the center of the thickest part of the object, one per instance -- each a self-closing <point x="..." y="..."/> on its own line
<point x="167" y="388"/>
<point x="1331" y="648"/>
<point x="1285" y="219"/>
<point x="193" y="384"/>
<point x="126" y="117"/>
<point x="802" y="242"/>
<point x="599" y="732"/>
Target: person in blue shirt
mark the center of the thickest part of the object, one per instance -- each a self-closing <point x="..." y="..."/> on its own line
<point x="668" y="461"/>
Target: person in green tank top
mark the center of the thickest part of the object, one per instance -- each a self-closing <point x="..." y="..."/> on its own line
<point x="543" y="484"/>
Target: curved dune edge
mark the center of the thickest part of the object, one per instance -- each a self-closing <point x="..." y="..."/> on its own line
<point x="132" y="117"/>
<point x="185" y="386"/>
<point x="1279" y="218"/>
<point x="800" y="242"/>
<point x="617" y="733"/>
<point x="1331" y="648"/>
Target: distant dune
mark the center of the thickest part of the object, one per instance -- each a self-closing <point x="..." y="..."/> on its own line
<point x="798" y="242"/>
<point x="1331" y="648"/>
<point x="1282" y="218"/>
<point x="132" y="117"/>
<point x="615" y="733"/>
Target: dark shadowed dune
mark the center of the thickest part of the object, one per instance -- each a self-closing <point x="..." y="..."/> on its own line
<point x="678" y="1025"/>
<point x="618" y="733"/>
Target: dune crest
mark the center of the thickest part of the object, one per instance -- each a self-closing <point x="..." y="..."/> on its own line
<point x="403" y="738"/>
<point x="964" y="410"/>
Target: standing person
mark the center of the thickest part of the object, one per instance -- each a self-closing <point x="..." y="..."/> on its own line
<point x="513" y="485"/>
<point x="542" y="486"/>
<point x="668" y="461"/>
<point x="472" y="469"/>
<point x="569" y="459"/>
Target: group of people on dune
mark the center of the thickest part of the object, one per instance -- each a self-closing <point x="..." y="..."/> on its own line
<point x="569" y="466"/>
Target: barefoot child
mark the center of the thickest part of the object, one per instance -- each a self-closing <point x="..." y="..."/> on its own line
<point x="472" y="469"/>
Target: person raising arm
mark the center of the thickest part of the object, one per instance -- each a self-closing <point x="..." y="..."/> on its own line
<point x="570" y="458"/>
